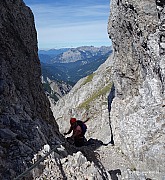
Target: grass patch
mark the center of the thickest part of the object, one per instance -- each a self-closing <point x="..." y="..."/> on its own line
<point x="88" y="79"/>
<point x="103" y="91"/>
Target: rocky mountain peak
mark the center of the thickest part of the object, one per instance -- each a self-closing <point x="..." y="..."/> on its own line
<point x="81" y="53"/>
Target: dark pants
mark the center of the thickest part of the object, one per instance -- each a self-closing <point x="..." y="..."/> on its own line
<point x="79" y="141"/>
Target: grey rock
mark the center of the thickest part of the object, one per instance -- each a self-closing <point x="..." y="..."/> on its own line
<point x="139" y="77"/>
<point x="23" y="103"/>
<point x="62" y="151"/>
<point x="7" y="134"/>
<point x="1" y="86"/>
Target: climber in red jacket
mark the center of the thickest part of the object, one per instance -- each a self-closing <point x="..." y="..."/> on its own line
<point x="79" y="129"/>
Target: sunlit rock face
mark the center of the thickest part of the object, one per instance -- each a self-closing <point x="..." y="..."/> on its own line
<point x="26" y="121"/>
<point x="137" y="30"/>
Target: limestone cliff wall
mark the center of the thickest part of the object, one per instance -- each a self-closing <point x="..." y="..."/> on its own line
<point x="137" y="30"/>
<point x="26" y="121"/>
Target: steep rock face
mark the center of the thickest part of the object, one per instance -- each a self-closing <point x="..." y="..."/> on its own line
<point x="26" y="121"/>
<point x="137" y="30"/>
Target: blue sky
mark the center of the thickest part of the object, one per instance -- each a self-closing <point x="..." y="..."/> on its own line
<point x="70" y="23"/>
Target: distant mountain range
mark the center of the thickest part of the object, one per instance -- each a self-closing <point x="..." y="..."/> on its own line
<point x="46" y="56"/>
<point x="71" y="64"/>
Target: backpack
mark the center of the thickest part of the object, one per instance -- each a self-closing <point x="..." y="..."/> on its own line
<point x="83" y="126"/>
